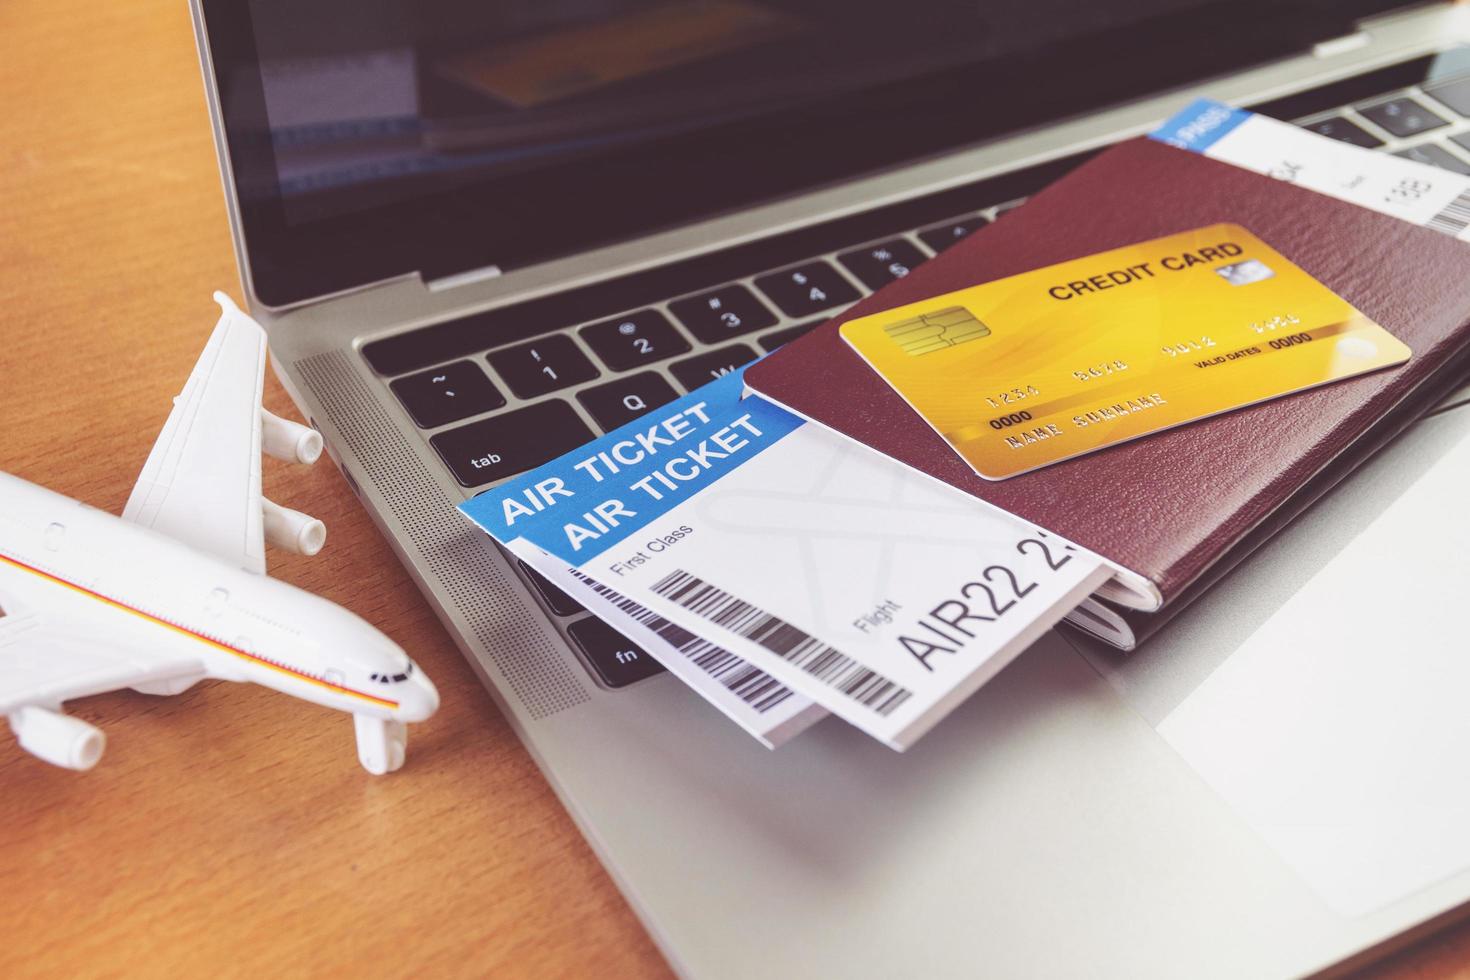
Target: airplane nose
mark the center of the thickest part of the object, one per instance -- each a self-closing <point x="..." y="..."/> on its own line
<point x="425" y="701"/>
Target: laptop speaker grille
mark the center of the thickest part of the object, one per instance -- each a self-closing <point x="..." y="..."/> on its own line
<point x="461" y="560"/>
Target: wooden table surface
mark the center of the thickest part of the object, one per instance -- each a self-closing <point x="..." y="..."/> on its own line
<point x="230" y="830"/>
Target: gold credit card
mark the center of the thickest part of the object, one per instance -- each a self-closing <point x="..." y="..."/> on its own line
<point x="1030" y="370"/>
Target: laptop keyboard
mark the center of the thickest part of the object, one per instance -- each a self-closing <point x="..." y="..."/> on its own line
<point x="501" y="392"/>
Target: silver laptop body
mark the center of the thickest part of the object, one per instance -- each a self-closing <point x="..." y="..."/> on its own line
<point x="1070" y="819"/>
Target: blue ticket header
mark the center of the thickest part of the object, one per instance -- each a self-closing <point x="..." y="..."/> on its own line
<point x="580" y="505"/>
<point x="1199" y="125"/>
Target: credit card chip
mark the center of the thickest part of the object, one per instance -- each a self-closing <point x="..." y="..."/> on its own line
<point x="929" y="332"/>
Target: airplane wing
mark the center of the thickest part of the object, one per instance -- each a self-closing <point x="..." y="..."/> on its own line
<point x="201" y="483"/>
<point x="44" y="664"/>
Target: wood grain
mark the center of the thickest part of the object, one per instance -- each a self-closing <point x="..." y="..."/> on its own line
<point x="229" y="830"/>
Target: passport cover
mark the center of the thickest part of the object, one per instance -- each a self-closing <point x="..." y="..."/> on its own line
<point x="1178" y="507"/>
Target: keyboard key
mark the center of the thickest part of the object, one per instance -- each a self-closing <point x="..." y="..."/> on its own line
<point x="1338" y="128"/>
<point x="626" y="398"/>
<point x="556" y="600"/>
<point x="634" y="340"/>
<point x="466" y="336"/>
<point x="447" y="394"/>
<point x="1454" y="93"/>
<point x="701" y="370"/>
<point x="807" y="289"/>
<point x="941" y="237"/>
<point x="782" y="337"/>
<point x="878" y="265"/>
<point x="542" y="365"/>
<point x="1436" y="156"/>
<point x="1402" y="117"/>
<point x="615" y="659"/>
<point x="504" y="445"/>
<point x="722" y="313"/>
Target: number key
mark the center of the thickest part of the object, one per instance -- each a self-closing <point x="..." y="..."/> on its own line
<point x="878" y="265"/>
<point x="941" y="237"/>
<point x="725" y="312"/>
<point x="807" y="289"/>
<point x="635" y="339"/>
<point x="1346" y="131"/>
<point x="542" y="365"/>
<point x="447" y="394"/>
<point x="1402" y="117"/>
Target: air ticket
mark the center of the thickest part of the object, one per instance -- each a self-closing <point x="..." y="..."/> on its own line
<point x="767" y="709"/>
<point x="1382" y="182"/>
<point x="881" y="595"/>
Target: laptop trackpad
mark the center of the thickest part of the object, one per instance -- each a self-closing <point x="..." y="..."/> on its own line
<point x="1339" y="728"/>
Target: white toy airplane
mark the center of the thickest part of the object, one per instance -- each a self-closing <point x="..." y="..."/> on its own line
<point x="175" y="590"/>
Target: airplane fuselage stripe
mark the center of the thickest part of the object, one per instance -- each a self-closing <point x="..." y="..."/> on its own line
<point x="202" y="638"/>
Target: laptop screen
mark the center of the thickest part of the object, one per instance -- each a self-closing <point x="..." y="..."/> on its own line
<point x="374" y="137"/>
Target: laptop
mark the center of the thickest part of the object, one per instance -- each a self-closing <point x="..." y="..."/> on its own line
<point x="479" y="234"/>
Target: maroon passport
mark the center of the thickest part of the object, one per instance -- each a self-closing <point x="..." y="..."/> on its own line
<point x="1180" y="507"/>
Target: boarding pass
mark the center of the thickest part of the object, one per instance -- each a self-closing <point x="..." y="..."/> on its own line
<point x="883" y="596"/>
<point x="1415" y="192"/>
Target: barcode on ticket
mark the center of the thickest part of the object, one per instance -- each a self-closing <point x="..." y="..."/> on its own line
<point x="823" y="662"/>
<point x="1455" y="217"/>
<point x="750" y="684"/>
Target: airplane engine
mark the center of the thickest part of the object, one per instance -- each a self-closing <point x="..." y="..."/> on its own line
<point x="57" y="738"/>
<point x="298" y="533"/>
<point x="290" y="441"/>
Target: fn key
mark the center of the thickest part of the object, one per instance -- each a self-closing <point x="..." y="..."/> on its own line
<point x="617" y="661"/>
